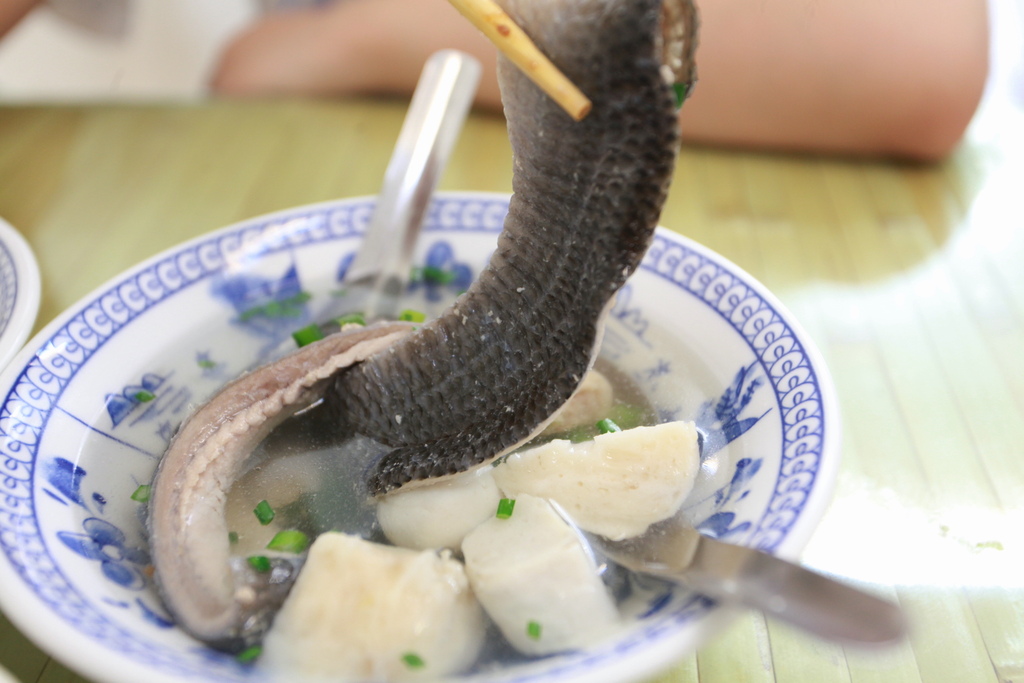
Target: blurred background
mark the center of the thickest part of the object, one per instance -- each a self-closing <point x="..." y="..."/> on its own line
<point x="156" y="49"/>
<point x="123" y="49"/>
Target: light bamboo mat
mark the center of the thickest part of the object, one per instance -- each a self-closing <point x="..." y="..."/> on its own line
<point x="910" y="279"/>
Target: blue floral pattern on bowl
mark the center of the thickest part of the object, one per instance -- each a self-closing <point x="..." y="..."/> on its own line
<point x="105" y="543"/>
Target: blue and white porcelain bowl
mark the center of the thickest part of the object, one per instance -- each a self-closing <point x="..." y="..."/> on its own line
<point x="90" y="403"/>
<point x="19" y="291"/>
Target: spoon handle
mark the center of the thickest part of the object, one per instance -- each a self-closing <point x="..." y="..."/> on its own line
<point x="438" y="109"/>
<point x="747" y="576"/>
<point x="816" y="603"/>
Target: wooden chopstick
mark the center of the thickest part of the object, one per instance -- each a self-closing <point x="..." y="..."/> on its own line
<point x="512" y="42"/>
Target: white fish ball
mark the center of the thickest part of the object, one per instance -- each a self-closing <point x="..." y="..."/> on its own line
<point x="616" y="485"/>
<point x="537" y="580"/>
<point x="440" y="514"/>
<point x="362" y="611"/>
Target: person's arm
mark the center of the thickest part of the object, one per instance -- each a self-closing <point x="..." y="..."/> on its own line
<point x="875" y="77"/>
<point x="350" y="47"/>
<point x="871" y="77"/>
<point x="13" y="11"/>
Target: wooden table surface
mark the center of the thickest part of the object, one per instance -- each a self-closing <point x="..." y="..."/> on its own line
<point x="910" y="278"/>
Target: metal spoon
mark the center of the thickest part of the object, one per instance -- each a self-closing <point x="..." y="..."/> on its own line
<point x="674" y="551"/>
<point x="379" y="273"/>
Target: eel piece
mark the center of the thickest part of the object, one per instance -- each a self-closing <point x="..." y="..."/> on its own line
<point x="492" y="370"/>
<point x="489" y="373"/>
<point x="216" y="598"/>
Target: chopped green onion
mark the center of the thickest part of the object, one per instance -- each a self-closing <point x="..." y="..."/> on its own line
<point x="141" y="494"/>
<point x="680" y="90"/>
<point x="249" y="654"/>
<point x="289" y="307"/>
<point x="144" y="396"/>
<point x="206" y="364"/>
<point x="260" y="563"/>
<point x="505" y="507"/>
<point x="232" y="537"/>
<point x="264" y="512"/>
<point x="352" y="319"/>
<point x="437" y="275"/>
<point x="308" y="335"/>
<point x="628" y="416"/>
<point x="413" y="660"/>
<point x="289" y="541"/>
<point x="607" y="426"/>
<point x="533" y="630"/>
<point x="411" y="316"/>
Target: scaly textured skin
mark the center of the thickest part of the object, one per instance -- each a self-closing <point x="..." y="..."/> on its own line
<point x="489" y="373"/>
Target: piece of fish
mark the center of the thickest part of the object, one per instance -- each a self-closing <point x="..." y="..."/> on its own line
<point x="358" y="607"/>
<point x="616" y="485"/>
<point x="535" y="568"/>
<point x="487" y="375"/>
<point x="492" y="370"/>
<point x="230" y="606"/>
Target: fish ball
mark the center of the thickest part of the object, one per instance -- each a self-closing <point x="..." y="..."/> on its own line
<point x="591" y="402"/>
<point x="439" y="515"/>
<point x="369" y="612"/>
<point x="616" y="485"/>
<point x="537" y="580"/>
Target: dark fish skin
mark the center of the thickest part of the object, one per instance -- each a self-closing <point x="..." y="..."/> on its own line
<point x="489" y="373"/>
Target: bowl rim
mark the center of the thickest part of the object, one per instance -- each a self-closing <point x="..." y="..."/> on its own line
<point x="816" y="504"/>
<point x="24" y="271"/>
<point x="41" y="626"/>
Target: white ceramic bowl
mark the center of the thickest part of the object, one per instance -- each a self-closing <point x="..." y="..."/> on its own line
<point x="91" y="401"/>
<point x="19" y="291"/>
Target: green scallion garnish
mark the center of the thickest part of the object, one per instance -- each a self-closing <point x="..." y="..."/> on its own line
<point x="607" y="426"/>
<point x="351" y="319"/>
<point x="533" y="630"/>
<point x="264" y="512"/>
<point x="436" y="275"/>
<point x="249" y="654"/>
<point x="144" y="396"/>
<point x="413" y="660"/>
<point x="411" y="316"/>
<point x="141" y="494"/>
<point x="290" y="307"/>
<point x="289" y="541"/>
<point x="628" y="416"/>
<point x="308" y="335"/>
<point x="505" y="507"/>
<point x="680" y="90"/>
<point x="232" y="537"/>
<point x="260" y="563"/>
